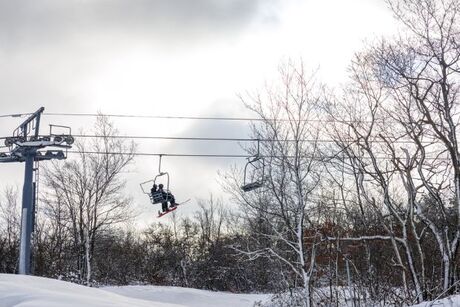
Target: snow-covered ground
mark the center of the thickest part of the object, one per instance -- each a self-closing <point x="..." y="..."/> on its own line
<point x="30" y="291"/>
<point x="187" y="296"/>
<point x="451" y="301"/>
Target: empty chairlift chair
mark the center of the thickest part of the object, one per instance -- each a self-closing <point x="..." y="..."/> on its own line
<point x="254" y="173"/>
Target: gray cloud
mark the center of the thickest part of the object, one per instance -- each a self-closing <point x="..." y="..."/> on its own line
<point x="48" y="46"/>
<point x="32" y="22"/>
<point x="217" y="129"/>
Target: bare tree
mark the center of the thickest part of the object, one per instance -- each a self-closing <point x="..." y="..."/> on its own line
<point x="423" y="73"/>
<point x="366" y="147"/>
<point x="212" y="220"/>
<point x="86" y="194"/>
<point x="9" y="229"/>
<point x="284" y="206"/>
<point x="396" y="128"/>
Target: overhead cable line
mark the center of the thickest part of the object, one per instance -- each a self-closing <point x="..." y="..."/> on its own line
<point x="158" y="154"/>
<point x="179" y="138"/>
<point x="15" y="115"/>
<point x="230" y="139"/>
<point x="223" y="139"/>
<point x="156" y="116"/>
<point x="148" y="154"/>
<point x="216" y="118"/>
<point x="141" y="116"/>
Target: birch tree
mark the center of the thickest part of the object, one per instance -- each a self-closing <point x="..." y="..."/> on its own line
<point x="423" y="74"/>
<point x="288" y="141"/>
<point x="396" y="124"/>
<point x="86" y="194"/>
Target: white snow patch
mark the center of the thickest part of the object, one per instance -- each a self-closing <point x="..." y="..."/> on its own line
<point x="188" y="297"/>
<point x="451" y="301"/>
<point x="30" y="291"/>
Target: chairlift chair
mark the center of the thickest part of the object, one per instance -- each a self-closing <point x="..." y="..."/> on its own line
<point x="157" y="197"/>
<point x="254" y="172"/>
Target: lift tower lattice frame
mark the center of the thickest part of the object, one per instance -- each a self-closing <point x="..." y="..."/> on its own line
<point x="24" y="146"/>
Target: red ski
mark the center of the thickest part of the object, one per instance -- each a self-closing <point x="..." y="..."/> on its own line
<point x="160" y="214"/>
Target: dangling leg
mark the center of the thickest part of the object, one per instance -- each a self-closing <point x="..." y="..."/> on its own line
<point x="172" y="200"/>
<point x="164" y="206"/>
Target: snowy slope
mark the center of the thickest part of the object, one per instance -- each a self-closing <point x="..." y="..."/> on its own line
<point x="29" y="291"/>
<point x="451" y="301"/>
<point x="188" y="297"/>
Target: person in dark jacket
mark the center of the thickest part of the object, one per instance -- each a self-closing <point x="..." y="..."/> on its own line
<point x="153" y="189"/>
<point x="168" y="197"/>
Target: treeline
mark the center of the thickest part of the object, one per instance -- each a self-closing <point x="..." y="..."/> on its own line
<point x="217" y="249"/>
<point x="191" y="252"/>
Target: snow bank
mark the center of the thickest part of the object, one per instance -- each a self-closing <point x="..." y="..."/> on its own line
<point x="451" y="301"/>
<point x="30" y="291"/>
<point x="188" y="297"/>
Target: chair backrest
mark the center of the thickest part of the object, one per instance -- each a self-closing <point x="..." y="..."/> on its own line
<point x="157" y="197"/>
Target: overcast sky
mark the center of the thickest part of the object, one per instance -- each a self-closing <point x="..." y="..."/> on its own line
<point x="171" y="57"/>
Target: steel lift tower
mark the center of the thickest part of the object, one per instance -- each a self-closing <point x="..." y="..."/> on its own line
<point x="24" y="146"/>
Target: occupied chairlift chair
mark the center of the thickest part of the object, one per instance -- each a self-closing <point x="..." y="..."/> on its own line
<point x="157" y="197"/>
<point x="254" y="172"/>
